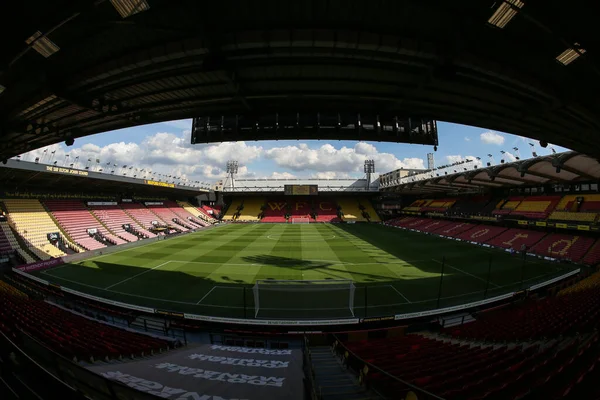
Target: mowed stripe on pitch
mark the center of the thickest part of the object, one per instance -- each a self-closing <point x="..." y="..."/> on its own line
<point x="366" y="253"/>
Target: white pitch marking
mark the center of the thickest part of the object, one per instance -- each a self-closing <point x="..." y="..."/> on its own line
<point x="397" y="291"/>
<point x="238" y="307"/>
<point x="203" y="297"/>
<point x="136" y="275"/>
<point x="334" y="262"/>
<point x="210" y="263"/>
<point x="303" y="238"/>
<point x="136" y="295"/>
<point x="467" y="273"/>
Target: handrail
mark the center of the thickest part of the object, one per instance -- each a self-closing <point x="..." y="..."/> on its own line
<point x="309" y="371"/>
<point x="373" y="367"/>
<point x="33" y="364"/>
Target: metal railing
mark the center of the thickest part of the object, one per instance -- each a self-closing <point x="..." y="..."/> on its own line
<point x="310" y="382"/>
<point x="33" y="371"/>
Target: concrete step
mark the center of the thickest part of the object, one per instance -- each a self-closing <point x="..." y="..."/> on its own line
<point x="333" y="380"/>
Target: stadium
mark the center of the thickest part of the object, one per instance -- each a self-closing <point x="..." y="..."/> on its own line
<point x="124" y="275"/>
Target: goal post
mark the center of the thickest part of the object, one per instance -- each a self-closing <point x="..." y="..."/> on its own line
<point x="300" y="220"/>
<point x="304" y="299"/>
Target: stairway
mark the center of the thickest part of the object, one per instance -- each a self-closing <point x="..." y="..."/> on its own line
<point x="334" y="381"/>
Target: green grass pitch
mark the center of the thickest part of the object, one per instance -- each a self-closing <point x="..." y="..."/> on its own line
<point x="212" y="272"/>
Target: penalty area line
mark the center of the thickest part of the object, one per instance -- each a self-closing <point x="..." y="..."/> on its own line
<point x="397" y="291"/>
<point x="136" y="295"/>
<point x="466" y="273"/>
<point x="136" y="275"/>
<point x="206" y="295"/>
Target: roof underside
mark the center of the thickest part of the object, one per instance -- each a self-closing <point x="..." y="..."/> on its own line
<point x="562" y="168"/>
<point x="189" y="58"/>
<point x="36" y="182"/>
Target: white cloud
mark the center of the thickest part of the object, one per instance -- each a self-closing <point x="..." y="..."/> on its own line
<point x="281" y="175"/>
<point x="329" y="159"/>
<point x="509" y="157"/>
<point x="467" y="139"/>
<point x="330" y="175"/>
<point x="172" y="154"/>
<point x="365" y="148"/>
<point x="451" y="159"/>
<point x="163" y="153"/>
<point x="491" y="137"/>
<point x="91" y="148"/>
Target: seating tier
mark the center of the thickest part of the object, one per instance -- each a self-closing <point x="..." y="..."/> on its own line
<point x="550" y="317"/>
<point x="75" y="220"/>
<point x="327" y="211"/>
<point x="563" y="246"/>
<point x="184" y="215"/>
<point x="454" y="229"/>
<point x="475" y="371"/>
<point x="168" y="216"/>
<point x="202" y="214"/>
<point x="482" y="233"/>
<point x="70" y="335"/>
<point x="252" y="208"/>
<point x="536" y="207"/>
<point x="32" y="223"/>
<point x="515" y="238"/>
<point x="141" y="214"/>
<point x="568" y="216"/>
<point x="114" y="218"/>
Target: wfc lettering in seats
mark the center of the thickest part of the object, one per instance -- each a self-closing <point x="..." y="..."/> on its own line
<point x="298" y="205"/>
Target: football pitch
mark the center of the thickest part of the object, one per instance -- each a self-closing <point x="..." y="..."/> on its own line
<point x="212" y="272"/>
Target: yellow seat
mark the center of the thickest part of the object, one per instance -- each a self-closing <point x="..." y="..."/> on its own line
<point x="30" y="219"/>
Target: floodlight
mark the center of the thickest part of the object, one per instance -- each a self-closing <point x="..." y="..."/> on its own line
<point x="42" y="44"/>
<point x="571" y="54"/>
<point x="232" y="167"/>
<point x="505" y="13"/>
<point x="127" y="8"/>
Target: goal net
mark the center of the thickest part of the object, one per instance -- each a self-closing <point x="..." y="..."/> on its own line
<point x="300" y="220"/>
<point x="304" y="299"/>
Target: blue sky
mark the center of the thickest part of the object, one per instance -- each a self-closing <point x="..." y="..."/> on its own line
<point x="165" y="148"/>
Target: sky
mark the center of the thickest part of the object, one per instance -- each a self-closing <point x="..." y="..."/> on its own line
<point x="165" y="148"/>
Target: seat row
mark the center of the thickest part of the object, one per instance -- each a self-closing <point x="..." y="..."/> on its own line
<point x="32" y="223"/>
<point x="71" y="335"/>
<point x="577" y="311"/>
<point x="570" y="208"/>
<point x="560" y="246"/>
<point x="474" y="371"/>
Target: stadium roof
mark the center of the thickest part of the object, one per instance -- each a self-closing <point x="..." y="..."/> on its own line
<point x="563" y="168"/>
<point x="23" y="176"/>
<point x="73" y="68"/>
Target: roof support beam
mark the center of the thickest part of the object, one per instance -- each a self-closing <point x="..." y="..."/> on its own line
<point x="576" y="172"/>
<point x="513" y="178"/>
<point x="490" y="183"/>
<point x="545" y="176"/>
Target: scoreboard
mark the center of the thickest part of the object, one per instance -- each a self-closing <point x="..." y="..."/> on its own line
<point x="300" y="190"/>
